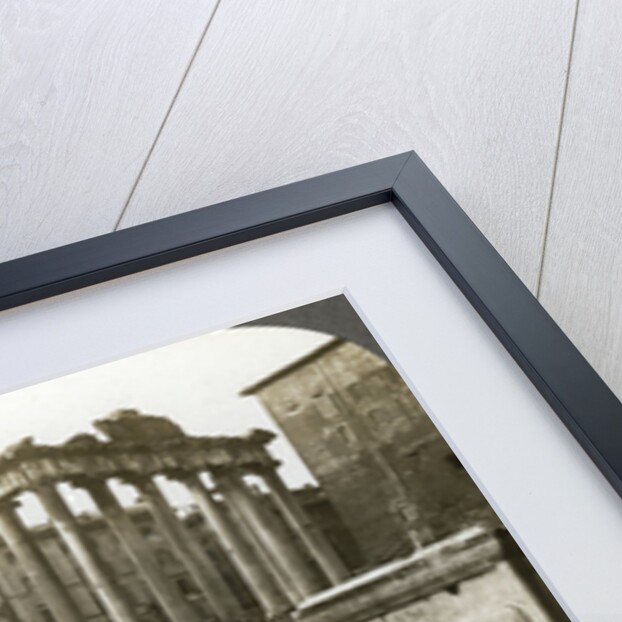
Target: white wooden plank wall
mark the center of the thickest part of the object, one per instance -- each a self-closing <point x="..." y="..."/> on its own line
<point x="112" y="114"/>
<point x="582" y="277"/>
<point x="283" y="90"/>
<point x="84" y="87"/>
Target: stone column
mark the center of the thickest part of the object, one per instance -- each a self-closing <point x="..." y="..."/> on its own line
<point x="264" y="554"/>
<point x="23" y="606"/>
<point x="289" y="562"/>
<point x="6" y="606"/>
<point x="312" y="537"/>
<point x="36" y="566"/>
<point x="139" y="551"/>
<point x="85" y="553"/>
<point x="7" y="612"/>
<point x="217" y="592"/>
<point x="258" y="578"/>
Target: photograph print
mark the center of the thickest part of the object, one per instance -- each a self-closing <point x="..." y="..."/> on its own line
<point x="280" y="470"/>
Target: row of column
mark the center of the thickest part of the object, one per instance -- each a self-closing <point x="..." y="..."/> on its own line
<point x="278" y="574"/>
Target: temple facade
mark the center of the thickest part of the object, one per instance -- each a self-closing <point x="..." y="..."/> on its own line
<point x="267" y="556"/>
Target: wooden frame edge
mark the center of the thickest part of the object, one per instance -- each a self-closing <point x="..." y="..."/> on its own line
<point x="572" y="388"/>
<point x="569" y="384"/>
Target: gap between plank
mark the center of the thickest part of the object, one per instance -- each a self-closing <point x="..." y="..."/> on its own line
<point x="547" y="219"/>
<point x="167" y="114"/>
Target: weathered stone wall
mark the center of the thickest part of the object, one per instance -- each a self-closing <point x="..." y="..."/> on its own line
<point x="374" y="451"/>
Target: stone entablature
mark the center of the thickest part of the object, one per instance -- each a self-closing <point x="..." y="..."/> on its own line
<point x="26" y="465"/>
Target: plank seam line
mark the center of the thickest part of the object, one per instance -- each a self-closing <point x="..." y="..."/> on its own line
<point x="547" y="218"/>
<point x="166" y="115"/>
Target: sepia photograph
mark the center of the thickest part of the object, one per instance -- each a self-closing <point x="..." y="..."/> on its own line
<point x="280" y="470"/>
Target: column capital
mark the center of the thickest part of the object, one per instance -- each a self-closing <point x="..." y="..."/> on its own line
<point x="257" y="467"/>
<point x="180" y="475"/>
<point x="266" y="468"/>
<point x="9" y="504"/>
<point x="228" y="476"/>
<point x="85" y="481"/>
<point x="138" y="480"/>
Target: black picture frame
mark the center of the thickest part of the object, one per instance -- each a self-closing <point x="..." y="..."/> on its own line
<point x="572" y="388"/>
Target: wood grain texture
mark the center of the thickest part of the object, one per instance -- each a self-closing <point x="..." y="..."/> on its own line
<point x="282" y="91"/>
<point x="582" y="270"/>
<point x="84" y="87"/>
